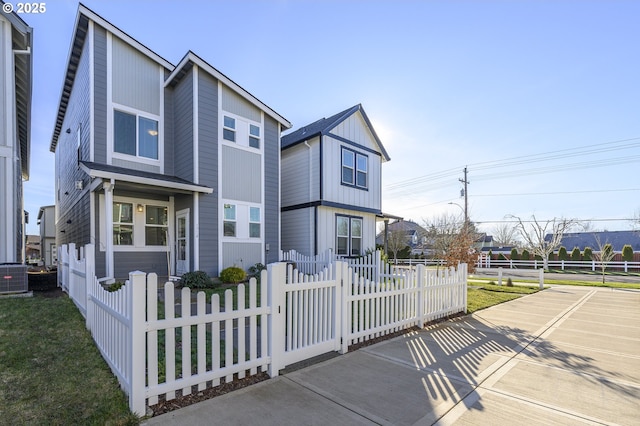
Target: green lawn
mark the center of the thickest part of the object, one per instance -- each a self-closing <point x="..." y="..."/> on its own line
<point x="568" y="281"/>
<point x="486" y="295"/>
<point x="50" y="370"/>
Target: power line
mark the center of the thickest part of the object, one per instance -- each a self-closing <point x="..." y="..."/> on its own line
<point x="557" y="193"/>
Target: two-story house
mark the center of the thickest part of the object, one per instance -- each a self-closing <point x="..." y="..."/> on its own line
<point x="47" y="237"/>
<point x="15" y="132"/>
<point x="331" y="185"/>
<point x="164" y="168"/>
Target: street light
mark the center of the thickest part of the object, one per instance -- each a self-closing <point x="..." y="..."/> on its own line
<point x="466" y="219"/>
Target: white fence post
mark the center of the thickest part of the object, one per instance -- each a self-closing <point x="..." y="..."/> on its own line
<point x="541" y="278"/>
<point x="343" y="304"/>
<point x="89" y="274"/>
<point x="499" y="276"/>
<point x="421" y="282"/>
<point x="465" y="275"/>
<point x="137" y="317"/>
<point x="277" y="275"/>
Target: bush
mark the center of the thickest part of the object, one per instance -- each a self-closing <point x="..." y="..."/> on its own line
<point x="115" y="286"/>
<point x="627" y="253"/>
<point x="514" y="254"/>
<point x="255" y="270"/>
<point x="501" y="257"/>
<point x="588" y="254"/>
<point x="509" y="282"/>
<point x="525" y="255"/>
<point x="575" y="254"/>
<point x="562" y="254"/>
<point x="196" y="279"/>
<point x="232" y="274"/>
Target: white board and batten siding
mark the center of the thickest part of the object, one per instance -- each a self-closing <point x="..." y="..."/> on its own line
<point x="327" y="228"/>
<point x="355" y="130"/>
<point x="300" y="166"/>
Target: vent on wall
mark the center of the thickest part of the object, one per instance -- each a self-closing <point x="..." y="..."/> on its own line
<point x="13" y="278"/>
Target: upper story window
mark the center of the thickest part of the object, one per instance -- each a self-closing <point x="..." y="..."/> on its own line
<point x="229" y="129"/>
<point x="354" y="168"/>
<point x="254" y="136"/>
<point x="135" y="135"/>
<point x="241" y="131"/>
<point x="254" y="222"/>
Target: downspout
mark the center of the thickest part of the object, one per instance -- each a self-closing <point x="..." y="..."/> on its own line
<point x="311" y="247"/>
<point x="108" y="217"/>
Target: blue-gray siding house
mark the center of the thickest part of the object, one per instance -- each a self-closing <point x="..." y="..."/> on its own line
<point x="165" y="168"/>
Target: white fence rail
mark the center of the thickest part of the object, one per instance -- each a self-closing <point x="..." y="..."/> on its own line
<point x="158" y="341"/>
<point x="591" y="265"/>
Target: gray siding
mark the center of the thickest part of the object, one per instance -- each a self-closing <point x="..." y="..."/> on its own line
<point x="169" y="129"/>
<point x="135" y="165"/>
<point x="272" y="188"/>
<point x="136" y="78"/>
<point x="242" y="174"/>
<point x="73" y="205"/>
<point x="148" y="262"/>
<point x="183" y="127"/>
<point x="243" y="255"/>
<point x="236" y="104"/>
<point x="297" y="231"/>
<point x="208" y="169"/>
<point x="99" y="95"/>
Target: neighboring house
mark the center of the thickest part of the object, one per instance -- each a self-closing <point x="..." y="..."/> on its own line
<point x="15" y="132"/>
<point x="617" y="239"/>
<point x="331" y="185"/>
<point x="33" y="254"/>
<point x="164" y="168"/>
<point x="47" y="223"/>
<point x="416" y="236"/>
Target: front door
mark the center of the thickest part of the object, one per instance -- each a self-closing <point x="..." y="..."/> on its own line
<point x="182" y="242"/>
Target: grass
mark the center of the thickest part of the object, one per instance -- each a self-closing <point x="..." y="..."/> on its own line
<point x="490" y="294"/>
<point x="574" y="282"/>
<point x="52" y="373"/>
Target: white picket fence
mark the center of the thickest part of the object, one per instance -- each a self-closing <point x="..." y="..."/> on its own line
<point x="158" y="341"/>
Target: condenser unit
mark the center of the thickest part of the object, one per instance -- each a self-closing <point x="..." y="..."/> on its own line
<point x="13" y="278"/>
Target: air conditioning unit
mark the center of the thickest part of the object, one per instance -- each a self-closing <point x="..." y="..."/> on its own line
<point x="13" y="278"/>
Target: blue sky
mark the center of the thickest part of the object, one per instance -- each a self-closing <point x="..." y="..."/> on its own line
<point x="533" y="96"/>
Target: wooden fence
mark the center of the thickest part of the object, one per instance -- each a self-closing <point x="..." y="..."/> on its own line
<point x="158" y="341"/>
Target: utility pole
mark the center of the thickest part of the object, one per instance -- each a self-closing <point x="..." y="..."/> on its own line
<point x="466" y="182"/>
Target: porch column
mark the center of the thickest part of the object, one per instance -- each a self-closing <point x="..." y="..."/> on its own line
<point x="108" y="218"/>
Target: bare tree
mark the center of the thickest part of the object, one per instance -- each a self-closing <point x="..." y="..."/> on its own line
<point x="397" y="240"/>
<point x="542" y="238"/>
<point x="604" y="255"/>
<point x="505" y="234"/>
<point x="452" y="239"/>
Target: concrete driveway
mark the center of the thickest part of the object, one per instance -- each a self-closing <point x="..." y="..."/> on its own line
<point x="567" y="355"/>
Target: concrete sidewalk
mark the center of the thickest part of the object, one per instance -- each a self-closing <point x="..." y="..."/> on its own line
<point x="567" y="355"/>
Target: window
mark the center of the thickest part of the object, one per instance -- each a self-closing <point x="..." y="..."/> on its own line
<point x="229" y="220"/>
<point x="254" y="222"/>
<point x="156" y="226"/>
<point x="135" y="135"/>
<point x="348" y="236"/>
<point x="229" y="129"/>
<point x="254" y="136"/>
<point x="354" y="168"/>
<point x="122" y="224"/>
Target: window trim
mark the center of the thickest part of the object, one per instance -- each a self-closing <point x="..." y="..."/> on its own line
<point x="252" y="222"/>
<point x="242" y="132"/>
<point x="137" y="157"/>
<point x="226" y="220"/>
<point x="233" y="129"/>
<point x="355" y="170"/>
<point x="350" y="237"/>
<point x="155" y="225"/>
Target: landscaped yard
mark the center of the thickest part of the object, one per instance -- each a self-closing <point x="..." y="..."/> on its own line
<point x="50" y="370"/>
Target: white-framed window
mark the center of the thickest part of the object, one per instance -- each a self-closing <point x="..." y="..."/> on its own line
<point x="123" y="224"/>
<point x="348" y="235"/>
<point x="229" y="129"/>
<point x="156" y="226"/>
<point x="254" y="222"/>
<point x="137" y="224"/>
<point x="354" y="168"/>
<point x="229" y="225"/>
<point x="241" y="132"/>
<point x="254" y="136"/>
<point x="135" y="135"/>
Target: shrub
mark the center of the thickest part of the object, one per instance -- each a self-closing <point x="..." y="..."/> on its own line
<point x="514" y="254"/>
<point x="509" y="282"/>
<point x="562" y="254"/>
<point x="232" y="274"/>
<point x="575" y="254"/>
<point x="627" y="253"/>
<point x="501" y="257"/>
<point x="525" y="255"/>
<point x="196" y="279"/>
<point x="115" y="286"/>
<point x="255" y="270"/>
<point x="588" y="254"/>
